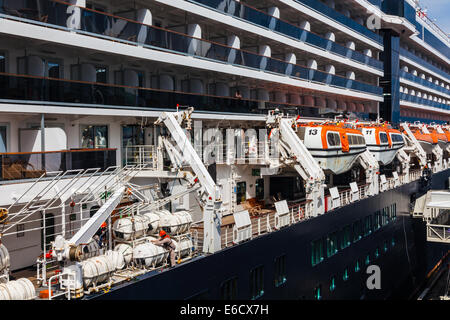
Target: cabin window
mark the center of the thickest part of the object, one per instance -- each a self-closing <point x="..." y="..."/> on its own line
<point x="367" y="259"/>
<point x="385" y="246"/>
<point x="259" y="189"/>
<point x="385" y="216"/>
<point x="3" y="139"/>
<point x="20" y="230"/>
<point x="228" y="289"/>
<point x="377" y="223"/>
<point x="101" y="74"/>
<point x="357" y="230"/>
<point x="318" y="292"/>
<point x="316" y="252"/>
<point x="393" y="212"/>
<point x="2" y="62"/>
<point x="346" y="235"/>
<point x="132" y="135"/>
<point x="333" y="283"/>
<point x="332" y="247"/>
<point x="257" y="282"/>
<point x="280" y="270"/>
<point x="367" y="225"/>
<point x="377" y="253"/>
<point x="345" y="275"/>
<point x="241" y="192"/>
<point x="333" y="139"/>
<point x="383" y="137"/>
<point x="357" y="266"/>
<point x="47" y="233"/>
<point x="94" y="137"/>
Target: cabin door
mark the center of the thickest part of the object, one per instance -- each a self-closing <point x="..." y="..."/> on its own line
<point x="47" y="232"/>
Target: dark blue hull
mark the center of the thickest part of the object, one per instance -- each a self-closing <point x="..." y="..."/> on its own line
<point x="399" y="248"/>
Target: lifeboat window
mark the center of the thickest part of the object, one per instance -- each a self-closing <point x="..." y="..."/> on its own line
<point x="361" y="138"/>
<point x="333" y="139"/>
<point x="351" y="139"/>
<point x="383" y="137"/>
<point x="397" y="138"/>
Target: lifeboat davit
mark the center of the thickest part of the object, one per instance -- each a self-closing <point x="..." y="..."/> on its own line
<point x="423" y="136"/>
<point x="383" y="141"/>
<point x="334" y="146"/>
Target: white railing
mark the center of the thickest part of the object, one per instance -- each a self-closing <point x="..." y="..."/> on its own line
<point x="141" y="155"/>
<point x="60" y="277"/>
<point x="257" y="153"/>
<point x="438" y="233"/>
<point x="264" y="224"/>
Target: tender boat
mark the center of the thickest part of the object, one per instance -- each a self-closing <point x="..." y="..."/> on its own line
<point x="382" y="140"/>
<point x="335" y="146"/>
<point x="424" y="137"/>
<point x="438" y="134"/>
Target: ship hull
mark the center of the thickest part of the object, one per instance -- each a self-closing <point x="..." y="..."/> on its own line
<point x="403" y="265"/>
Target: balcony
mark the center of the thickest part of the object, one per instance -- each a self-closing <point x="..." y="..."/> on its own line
<point x="18" y="88"/>
<point x="260" y="18"/>
<point x="423" y="82"/>
<point x="425" y="64"/>
<point x="342" y="19"/>
<point x="33" y="165"/>
<point x="422" y="101"/>
<point x="99" y="25"/>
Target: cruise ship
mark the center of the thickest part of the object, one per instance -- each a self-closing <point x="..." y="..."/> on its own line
<point x="286" y="146"/>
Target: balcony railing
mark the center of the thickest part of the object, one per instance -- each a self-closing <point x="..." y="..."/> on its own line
<point x="32" y="89"/>
<point x="104" y="25"/>
<point x="423" y="82"/>
<point x="263" y="19"/>
<point x="422" y="101"/>
<point x="426" y="64"/>
<point x="30" y="165"/>
<point x="342" y="19"/>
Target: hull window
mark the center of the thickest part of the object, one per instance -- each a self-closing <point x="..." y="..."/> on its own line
<point x="316" y="252"/>
<point x="228" y="289"/>
<point x="280" y="270"/>
<point x="318" y="292"/>
<point x="333" y="283"/>
<point x="332" y="247"/>
<point x="257" y="282"/>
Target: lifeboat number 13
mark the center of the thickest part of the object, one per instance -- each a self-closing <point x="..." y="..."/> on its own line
<point x="312" y="132"/>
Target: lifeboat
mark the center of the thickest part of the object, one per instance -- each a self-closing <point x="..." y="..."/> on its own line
<point x="334" y="146"/>
<point x="423" y="136"/>
<point x="439" y="135"/>
<point x="382" y="141"/>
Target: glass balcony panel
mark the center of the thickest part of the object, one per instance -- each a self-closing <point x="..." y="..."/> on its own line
<point x="262" y="19"/>
<point x="29" y="165"/>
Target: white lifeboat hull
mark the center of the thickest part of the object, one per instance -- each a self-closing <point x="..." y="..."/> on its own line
<point x="335" y="160"/>
<point x="383" y="154"/>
